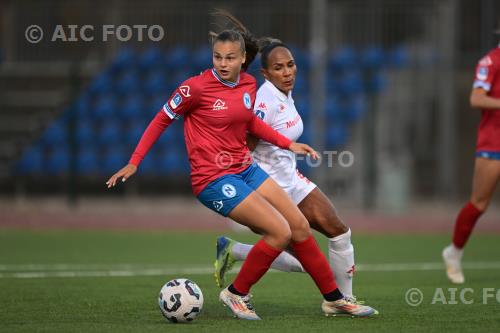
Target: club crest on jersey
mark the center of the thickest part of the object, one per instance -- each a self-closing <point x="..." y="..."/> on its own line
<point x="219" y="105"/>
<point x="229" y="191"/>
<point x="218" y="205"/>
<point x="184" y="91"/>
<point x="247" y="100"/>
<point x="261" y="114"/>
<point x="281" y="108"/>
<point x="482" y="73"/>
<point x="176" y="101"/>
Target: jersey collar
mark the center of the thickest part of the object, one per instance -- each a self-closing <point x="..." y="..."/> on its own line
<point x="280" y="95"/>
<point x="225" y="82"/>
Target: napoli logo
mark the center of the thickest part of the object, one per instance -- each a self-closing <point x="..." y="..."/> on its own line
<point x="229" y="190"/>
<point x="247" y="100"/>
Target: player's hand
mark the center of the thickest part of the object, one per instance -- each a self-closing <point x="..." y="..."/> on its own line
<point x="124" y="173"/>
<point x="303" y="149"/>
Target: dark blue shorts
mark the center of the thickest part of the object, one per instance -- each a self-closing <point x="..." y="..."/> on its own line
<point x="491" y="155"/>
<point x="226" y="192"/>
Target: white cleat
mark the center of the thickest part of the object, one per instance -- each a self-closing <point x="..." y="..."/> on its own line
<point x="347" y="307"/>
<point x="452" y="260"/>
<point x="239" y="305"/>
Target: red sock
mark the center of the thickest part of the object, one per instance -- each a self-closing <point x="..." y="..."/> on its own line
<point x="466" y="220"/>
<point x="257" y="263"/>
<point x="315" y="263"/>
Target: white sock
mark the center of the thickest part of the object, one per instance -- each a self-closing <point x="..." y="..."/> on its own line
<point x="341" y="255"/>
<point x="455" y="251"/>
<point x="285" y="262"/>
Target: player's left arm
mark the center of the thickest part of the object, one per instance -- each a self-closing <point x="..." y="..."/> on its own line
<point x="479" y="99"/>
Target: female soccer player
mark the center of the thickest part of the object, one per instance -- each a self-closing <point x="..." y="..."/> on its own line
<point x="485" y="96"/>
<point x="217" y="110"/>
<point x="274" y="105"/>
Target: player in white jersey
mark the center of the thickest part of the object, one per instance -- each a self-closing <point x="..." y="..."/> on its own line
<point x="274" y="104"/>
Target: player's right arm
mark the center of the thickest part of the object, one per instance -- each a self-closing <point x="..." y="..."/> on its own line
<point x="486" y="72"/>
<point x="182" y="100"/>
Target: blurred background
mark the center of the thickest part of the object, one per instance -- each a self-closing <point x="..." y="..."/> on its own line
<point x="387" y="81"/>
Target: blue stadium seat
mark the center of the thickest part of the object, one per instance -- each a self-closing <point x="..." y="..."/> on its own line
<point x="333" y="110"/>
<point x="57" y="161"/>
<point x="149" y="166"/>
<point x="336" y="136"/>
<point x="151" y="59"/>
<point x="134" y="132"/>
<point x="376" y="82"/>
<point x="87" y="161"/>
<point x="109" y="134"/>
<point x="343" y="59"/>
<point x="125" y="59"/>
<point x="31" y="162"/>
<point x="354" y="109"/>
<point x="55" y="134"/>
<point x="398" y="57"/>
<point x="85" y="134"/>
<point x="131" y="107"/>
<point x="350" y="84"/>
<point x="105" y="107"/>
<point x="102" y="84"/>
<point x="178" y="56"/>
<point x="128" y="82"/>
<point x="156" y="82"/>
<point x="202" y="58"/>
<point x="81" y="107"/>
<point x="372" y="58"/>
<point x="112" y="160"/>
<point x="170" y="162"/>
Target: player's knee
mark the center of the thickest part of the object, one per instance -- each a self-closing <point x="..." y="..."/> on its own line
<point x="330" y="226"/>
<point x="301" y="230"/>
<point x="480" y="203"/>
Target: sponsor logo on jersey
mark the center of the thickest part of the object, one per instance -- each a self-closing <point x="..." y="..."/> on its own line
<point x="292" y="123"/>
<point x="184" y="91"/>
<point x="247" y="100"/>
<point x="175" y="101"/>
<point x="219" y="105"/>
<point x="486" y="61"/>
<point x="482" y="73"/>
<point x="229" y="191"/>
<point x="281" y="108"/>
<point x="218" y="205"/>
<point x="261" y="114"/>
<point x="262" y="106"/>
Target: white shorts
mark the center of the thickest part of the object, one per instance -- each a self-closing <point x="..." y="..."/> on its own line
<point x="300" y="188"/>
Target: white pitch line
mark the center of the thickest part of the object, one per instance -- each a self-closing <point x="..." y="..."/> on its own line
<point x="131" y="270"/>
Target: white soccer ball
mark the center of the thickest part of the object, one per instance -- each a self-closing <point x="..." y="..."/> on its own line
<point x="180" y="300"/>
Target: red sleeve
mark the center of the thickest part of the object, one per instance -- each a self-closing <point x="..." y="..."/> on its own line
<point x="155" y="128"/>
<point x="263" y="131"/>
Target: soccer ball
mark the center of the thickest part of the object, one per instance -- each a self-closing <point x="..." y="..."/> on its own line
<point x="180" y="300"/>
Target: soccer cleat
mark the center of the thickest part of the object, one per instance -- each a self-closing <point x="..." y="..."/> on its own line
<point x="225" y="259"/>
<point x="239" y="305"/>
<point x="347" y="307"/>
<point x="453" y="265"/>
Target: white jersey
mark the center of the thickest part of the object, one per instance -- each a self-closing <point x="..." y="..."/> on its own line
<point x="278" y="111"/>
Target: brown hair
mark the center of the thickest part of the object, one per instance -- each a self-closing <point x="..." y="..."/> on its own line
<point x="237" y="33"/>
